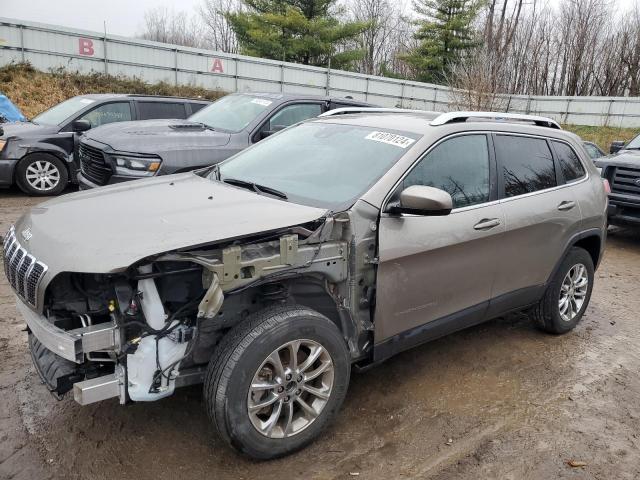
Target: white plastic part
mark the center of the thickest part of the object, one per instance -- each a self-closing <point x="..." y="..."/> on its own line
<point x="150" y="301"/>
<point x="142" y="365"/>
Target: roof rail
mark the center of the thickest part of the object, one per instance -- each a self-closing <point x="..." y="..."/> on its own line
<point x="454" y="117"/>
<point x="345" y="110"/>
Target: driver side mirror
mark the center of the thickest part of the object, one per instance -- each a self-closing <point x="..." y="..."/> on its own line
<point x="422" y="200"/>
<point x="616" y="146"/>
<point x="80" y="126"/>
<point x="267" y="133"/>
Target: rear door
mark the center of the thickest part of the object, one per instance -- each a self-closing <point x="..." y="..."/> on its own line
<point x="541" y="213"/>
<point x="435" y="273"/>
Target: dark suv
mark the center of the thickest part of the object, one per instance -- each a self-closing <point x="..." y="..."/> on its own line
<point x="622" y="170"/>
<point x="132" y="150"/>
<point x="39" y="155"/>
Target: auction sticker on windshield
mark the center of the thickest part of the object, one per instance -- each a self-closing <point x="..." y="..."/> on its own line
<point x="391" y="139"/>
<point x="260" y="101"/>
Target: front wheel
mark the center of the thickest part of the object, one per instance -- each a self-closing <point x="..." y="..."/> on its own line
<point x="41" y="174"/>
<point x="568" y="294"/>
<point x="277" y="381"/>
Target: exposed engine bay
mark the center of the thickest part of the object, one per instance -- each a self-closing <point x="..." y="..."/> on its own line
<point x="155" y="327"/>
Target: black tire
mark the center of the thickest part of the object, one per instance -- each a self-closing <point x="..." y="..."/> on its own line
<point x="237" y="359"/>
<point x="45" y="159"/>
<point x="547" y="313"/>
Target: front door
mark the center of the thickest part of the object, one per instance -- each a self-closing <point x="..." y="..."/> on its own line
<point x="435" y="273"/>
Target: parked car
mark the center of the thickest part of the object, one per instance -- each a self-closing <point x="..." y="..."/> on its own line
<point x="129" y="151"/>
<point x="593" y="150"/>
<point x="622" y="172"/>
<point x="342" y="240"/>
<point x="38" y="155"/>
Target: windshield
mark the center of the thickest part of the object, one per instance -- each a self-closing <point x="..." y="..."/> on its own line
<point x="59" y="113"/>
<point x="634" y="144"/>
<point x="319" y="164"/>
<point x="231" y="113"/>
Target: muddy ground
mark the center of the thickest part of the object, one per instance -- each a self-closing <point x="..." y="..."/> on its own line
<point x="500" y="400"/>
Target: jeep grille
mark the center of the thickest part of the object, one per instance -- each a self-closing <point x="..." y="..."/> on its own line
<point x="23" y="271"/>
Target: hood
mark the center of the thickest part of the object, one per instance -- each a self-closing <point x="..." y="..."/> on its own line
<point x="25" y="129"/>
<point x="155" y="136"/>
<point x="108" y="229"/>
<point x="623" y="158"/>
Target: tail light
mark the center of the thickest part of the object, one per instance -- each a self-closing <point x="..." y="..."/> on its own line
<point x="607" y="186"/>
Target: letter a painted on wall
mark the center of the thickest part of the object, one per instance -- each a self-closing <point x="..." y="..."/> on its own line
<point x="217" y="66"/>
<point x="85" y="47"/>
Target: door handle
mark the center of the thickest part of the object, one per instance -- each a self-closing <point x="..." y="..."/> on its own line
<point x="487" y="224"/>
<point x="566" y="205"/>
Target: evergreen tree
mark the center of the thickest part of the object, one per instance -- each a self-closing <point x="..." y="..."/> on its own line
<point x="445" y="33"/>
<point x="300" y="31"/>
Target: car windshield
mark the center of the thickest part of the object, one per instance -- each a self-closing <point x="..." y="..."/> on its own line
<point x="231" y="113"/>
<point x="319" y="164"/>
<point x="59" y="113"/>
<point x="634" y="144"/>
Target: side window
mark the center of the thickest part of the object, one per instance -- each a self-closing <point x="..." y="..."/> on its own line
<point x="570" y="164"/>
<point x="459" y="166"/>
<point x="527" y="164"/>
<point x="151" y="110"/>
<point x="108" y="113"/>
<point x="294" y="114"/>
<point x="592" y="151"/>
<point x="196" y="106"/>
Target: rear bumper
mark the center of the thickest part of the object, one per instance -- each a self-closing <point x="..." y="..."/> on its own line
<point x="73" y="344"/>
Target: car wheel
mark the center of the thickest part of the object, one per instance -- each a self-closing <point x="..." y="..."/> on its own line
<point x="41" y="174"/>
<point x="277" y="380"/>
<point x="568" y="294"/>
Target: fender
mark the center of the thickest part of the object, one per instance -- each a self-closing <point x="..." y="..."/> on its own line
<point x="592" y="232"/>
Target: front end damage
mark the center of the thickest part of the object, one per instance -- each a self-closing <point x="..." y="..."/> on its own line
<point x="140" y="333"/>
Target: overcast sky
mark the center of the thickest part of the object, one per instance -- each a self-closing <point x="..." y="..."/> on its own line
<point x="123" y="17"/>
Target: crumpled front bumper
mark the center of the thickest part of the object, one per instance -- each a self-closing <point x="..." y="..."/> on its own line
<point x="73" y="344"/>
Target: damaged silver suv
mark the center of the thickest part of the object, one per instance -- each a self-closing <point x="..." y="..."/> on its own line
<point x="340" y="241"/>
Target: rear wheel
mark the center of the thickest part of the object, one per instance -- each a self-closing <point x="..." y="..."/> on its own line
<point x="277" y="381"/>
<point x="568" y="294"/>
<point x="41" y="174"/>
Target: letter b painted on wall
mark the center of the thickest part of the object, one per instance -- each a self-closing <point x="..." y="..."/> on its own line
<point x="85" y="47"/>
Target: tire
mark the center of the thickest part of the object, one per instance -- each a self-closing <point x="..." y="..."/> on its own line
<point x="548" y="314"/>
<point x="54" y="175"/>
<point x="243" y="356"/>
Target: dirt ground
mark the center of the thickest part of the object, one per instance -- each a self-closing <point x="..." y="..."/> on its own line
<point x="500" y="400"/>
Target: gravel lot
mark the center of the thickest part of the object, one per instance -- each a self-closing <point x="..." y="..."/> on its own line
<point x="500" y="400"/>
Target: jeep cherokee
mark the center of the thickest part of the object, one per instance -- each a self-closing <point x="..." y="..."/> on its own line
<point x="340" y="241"/>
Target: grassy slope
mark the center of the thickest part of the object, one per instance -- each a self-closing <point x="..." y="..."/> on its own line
<point x="603" y="136"/>
<point x="34" y="91"/>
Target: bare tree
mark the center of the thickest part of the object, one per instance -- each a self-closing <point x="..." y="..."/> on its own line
<point x="219" y="34"/>
<point x="169" y="26"/>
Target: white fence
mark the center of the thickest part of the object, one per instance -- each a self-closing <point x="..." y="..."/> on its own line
<point x="49" y="46"/>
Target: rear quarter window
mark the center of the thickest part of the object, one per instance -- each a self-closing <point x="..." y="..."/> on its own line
<point x="569" y="162"/>
<point x="153" y="110"/>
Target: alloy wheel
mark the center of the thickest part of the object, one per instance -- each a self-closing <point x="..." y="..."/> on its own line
<point x="42" y="175"/>
<point x="573" y="292"/>
<point x="290" y="389"/>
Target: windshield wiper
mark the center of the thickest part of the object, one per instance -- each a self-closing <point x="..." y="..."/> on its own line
<point x="255" y="187"/>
